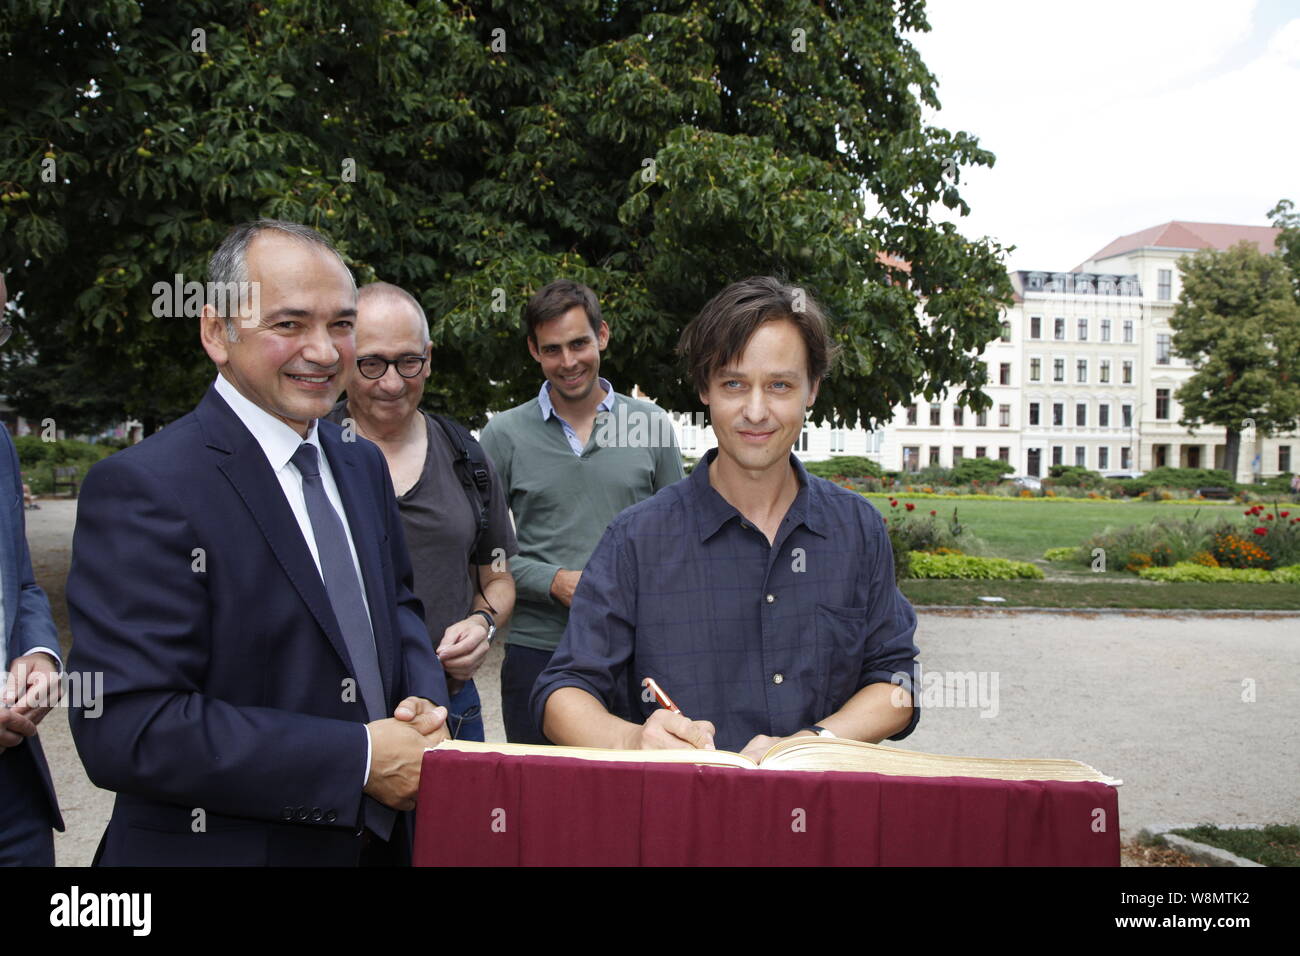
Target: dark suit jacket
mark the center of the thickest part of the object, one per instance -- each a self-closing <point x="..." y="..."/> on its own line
<point x="193" y="590"/>
<point x="28" y="621"/>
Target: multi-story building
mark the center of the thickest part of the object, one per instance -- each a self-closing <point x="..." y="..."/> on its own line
<point x="1083" y="373"/>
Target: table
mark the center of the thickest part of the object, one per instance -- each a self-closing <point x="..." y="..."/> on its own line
<point x="499" y="810"/>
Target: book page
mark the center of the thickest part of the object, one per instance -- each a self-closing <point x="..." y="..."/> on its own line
<point x="706" y="758"/>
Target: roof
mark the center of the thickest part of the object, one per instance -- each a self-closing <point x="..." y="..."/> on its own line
<point x="1190" y="235"/>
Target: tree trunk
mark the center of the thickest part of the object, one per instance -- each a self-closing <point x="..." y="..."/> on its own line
<point x="1231" y="449"/>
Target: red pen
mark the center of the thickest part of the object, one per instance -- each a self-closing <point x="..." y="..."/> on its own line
<point x="664" y="700"/>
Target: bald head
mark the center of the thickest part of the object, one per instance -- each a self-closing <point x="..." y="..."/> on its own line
<point x="395" y="307"/>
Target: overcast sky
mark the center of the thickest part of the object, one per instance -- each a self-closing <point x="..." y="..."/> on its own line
<point x="1108" y="116"/>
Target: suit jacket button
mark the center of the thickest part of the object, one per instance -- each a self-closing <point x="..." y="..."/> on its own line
<point x="286" y="813"/>
<point x="316" y="814"/>
<point x="302" y="813"/>
<point x="331" y="816"/>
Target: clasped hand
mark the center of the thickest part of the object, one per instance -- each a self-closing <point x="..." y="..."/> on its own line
<point x="397" y="746"/>
<point x="31" y="688"/>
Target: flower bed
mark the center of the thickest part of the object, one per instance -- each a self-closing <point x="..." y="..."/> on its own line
<point x="1189" y="571"/>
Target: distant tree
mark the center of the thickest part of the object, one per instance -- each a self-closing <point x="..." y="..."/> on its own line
<point x="472" y="152"/>
<point x="1284" y="217"/>
<point x="1237" y="322"/>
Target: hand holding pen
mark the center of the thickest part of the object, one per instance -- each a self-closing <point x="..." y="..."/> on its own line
<point x="668" y="728"/>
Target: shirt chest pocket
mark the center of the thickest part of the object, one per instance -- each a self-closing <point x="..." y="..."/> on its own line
<point x="841" y="644"/>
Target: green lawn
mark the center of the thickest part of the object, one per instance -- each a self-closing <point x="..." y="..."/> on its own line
<point x="1022" y="529"/>
<point x="1277" y="845"/>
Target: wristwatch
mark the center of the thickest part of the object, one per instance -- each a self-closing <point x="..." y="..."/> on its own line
<point x="820" y="731"/>
<point x="492" y="625"/>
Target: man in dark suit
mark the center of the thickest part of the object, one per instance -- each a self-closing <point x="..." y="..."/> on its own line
<point x="242" y="581"/>
<point x="30" y="666"/>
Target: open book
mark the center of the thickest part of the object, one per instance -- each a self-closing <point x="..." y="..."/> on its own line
<point x="821" y="753"/>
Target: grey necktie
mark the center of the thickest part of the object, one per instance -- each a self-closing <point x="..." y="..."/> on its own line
<point x="344" y="591"/>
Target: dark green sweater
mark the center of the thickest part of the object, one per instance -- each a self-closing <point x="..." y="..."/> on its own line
<point x="562" y="503"/>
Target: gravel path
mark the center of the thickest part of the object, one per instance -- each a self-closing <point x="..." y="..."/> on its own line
<point x="1154" y="700"/>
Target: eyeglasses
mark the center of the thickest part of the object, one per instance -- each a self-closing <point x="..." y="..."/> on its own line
<point x="408" y="366"/>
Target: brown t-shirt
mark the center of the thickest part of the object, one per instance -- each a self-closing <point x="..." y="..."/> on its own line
<point x="439" y="524"/>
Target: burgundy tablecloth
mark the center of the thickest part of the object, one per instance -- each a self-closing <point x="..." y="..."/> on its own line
<point x="496" y="810"/>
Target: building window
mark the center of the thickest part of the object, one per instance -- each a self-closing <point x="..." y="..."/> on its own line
<point x="1103" y="374"/>
<point x="1058" y="329"/>
<point x="1081" y="414"/>
<point x="1127" y="377"/>
<point x="1284" y="458"/>
<point x="911" y="414"/>
<point x="934" y="454"/>
<point x="935" y="411"/>
<point x="1103" y="457"/>
<point x="1164" y="284"/>
<point x="1081" y="456"/>
<point x="1033" y="413"/>
<point x="1004" y="373"/>
<point x="979" y="451"/>
<point x="1035" y="326"/>
<point x="803" y="440"/>
<point x="957" y="453"/>
<point x="958" y="415"/>
<point x="1162" y="404"/>
<point x="1081" y="371"/>
<point x="1083" y="330"/>
<point x="1058" y="413"/>
<point x="1035" y="370"/>
<point x="1126" y="413"/>
<point x="1058" y="370"/>
<point x="837" y="439"/>
<point x="1006" y="331"/>
<point x="1033" y="463"/>
<point x="1004" y="454"/>
<point x="1004" y="416"/>
<point x="1126" y="458"/>
<point x="1103" y="415"/>
<point x="1128" y="331"/>
<point x="1105" y="330"/>
<point x="911" y="457"/>
<point x="1162" y="348"/>
<point x="1058" y="455"/>
<point x="982" y="419"/>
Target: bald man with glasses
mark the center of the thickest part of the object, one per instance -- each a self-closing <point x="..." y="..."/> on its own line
<point x="460" y="538"/>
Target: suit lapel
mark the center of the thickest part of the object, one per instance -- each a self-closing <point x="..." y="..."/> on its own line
<point x="367" y="534"/>
<point x="247" y="469"/>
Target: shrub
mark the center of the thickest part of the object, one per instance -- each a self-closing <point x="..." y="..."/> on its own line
<point x="910" y="532"/>
<point x="844" y="466"/>
<point x="1160" y="542"/>
<point x="969" y="567"/>
<point x="980" y="469"/>
<point x="1074" y="476"/>
<point x="1061" y="554"/>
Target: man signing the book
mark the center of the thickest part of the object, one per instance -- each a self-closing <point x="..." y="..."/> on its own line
<point x="761" y="598"/>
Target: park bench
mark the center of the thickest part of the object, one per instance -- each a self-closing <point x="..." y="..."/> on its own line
<point x="1222" y="494"/>
<point x="65" y="476"/>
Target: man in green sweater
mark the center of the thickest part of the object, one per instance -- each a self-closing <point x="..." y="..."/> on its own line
<point x="570" y="460"/>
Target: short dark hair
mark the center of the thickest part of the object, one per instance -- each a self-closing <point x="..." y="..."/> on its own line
<point x="556" y="298"/>
<point x="716" y="337"/>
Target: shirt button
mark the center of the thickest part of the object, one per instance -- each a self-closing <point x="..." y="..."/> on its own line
<point x="777" y="678"/>
<point x="771" y="598"/>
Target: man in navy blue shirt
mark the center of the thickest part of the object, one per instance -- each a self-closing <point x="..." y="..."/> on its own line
<point x="760" y="598"/>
